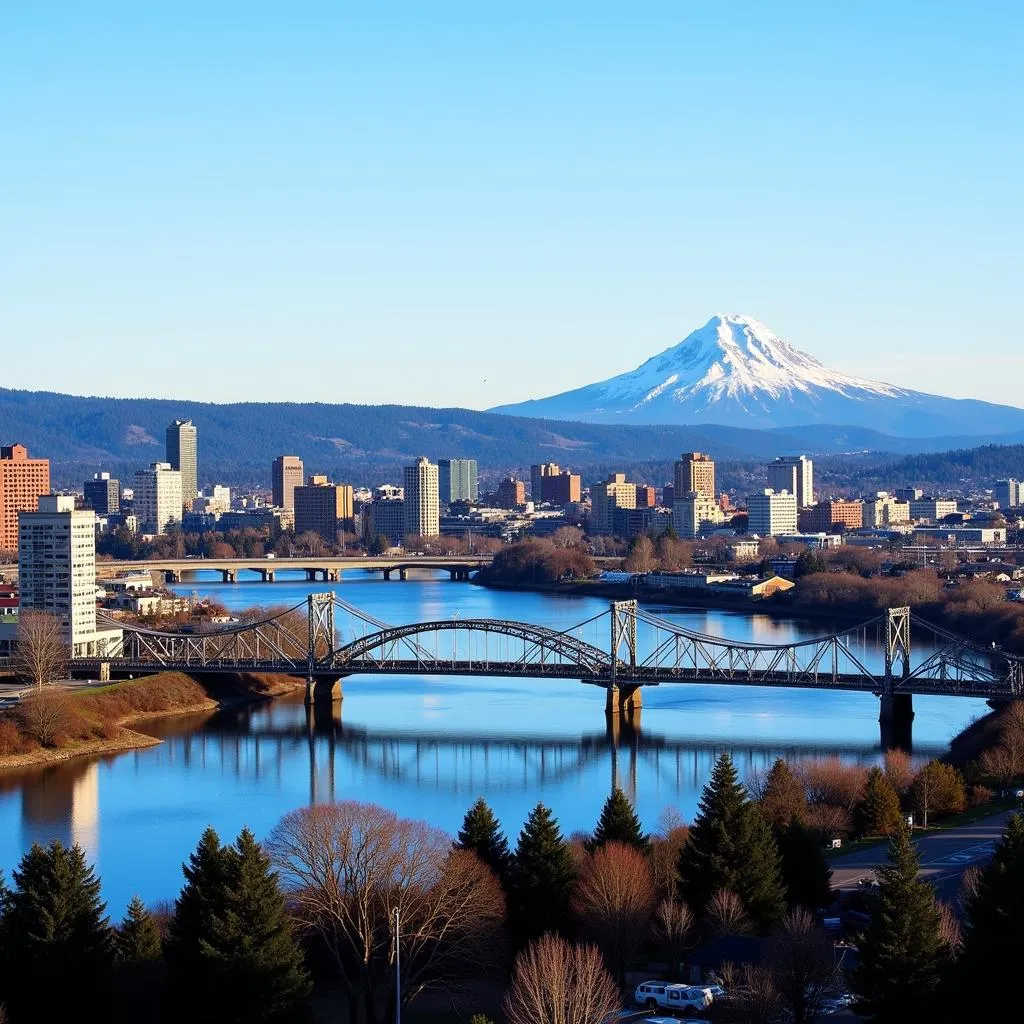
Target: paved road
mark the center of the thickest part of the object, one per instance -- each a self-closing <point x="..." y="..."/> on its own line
<point x="945" y="855"/>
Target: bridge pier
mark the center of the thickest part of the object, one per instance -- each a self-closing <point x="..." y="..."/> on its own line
<point x="311" y="575"/>
<point x="895" y="720"/>
<point x="324" y="691"/>
<point x="268" y="576"/>
<point x="332" y="575"/>
<point x="172" y="576"/>
<point x="229" y="575"/>
<point x="623" y="700"/>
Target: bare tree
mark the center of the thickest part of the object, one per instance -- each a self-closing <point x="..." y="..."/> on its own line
<point x="968" y="887"/>
<point x="674" y="927"/>
<point x="555" y="982"/>
<point x="613" y="901"/>
<point x="45" y="716"/>
<point x="753" y="997"/>
<point x="568" y="537"/>
<point x="727" y="915"/>
<point x="898" y="770"/>
<point x="949" y="927"/>
<point x="348" y="867"/>
<point x="40" y="654"/>
<point x="670" y="835"/>
<point x="641" y="556"/>
<point x="803" y="965"/>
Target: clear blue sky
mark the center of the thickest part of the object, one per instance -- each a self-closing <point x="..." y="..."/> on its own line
<point x="475" y="203"/>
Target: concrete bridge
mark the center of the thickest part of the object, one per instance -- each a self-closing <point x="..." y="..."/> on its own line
<point x="328" y="569"/>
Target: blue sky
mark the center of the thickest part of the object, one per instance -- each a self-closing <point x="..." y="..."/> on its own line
<point x="474" y="203"/>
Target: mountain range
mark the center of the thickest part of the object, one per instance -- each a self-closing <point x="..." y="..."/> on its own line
<point x="735" y="370"/>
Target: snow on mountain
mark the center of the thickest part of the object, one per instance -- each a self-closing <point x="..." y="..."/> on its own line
<point x="735" y="370"/>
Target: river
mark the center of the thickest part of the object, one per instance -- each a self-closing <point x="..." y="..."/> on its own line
<point x="427" y="747"/>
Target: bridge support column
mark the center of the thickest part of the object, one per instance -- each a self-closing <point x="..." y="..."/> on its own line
<point x="324" y="691"/>
<point x="623" y="700"/>
<point x="332" y="575"/>
<point x="268" y="575"/>
<point x="310" y="575"/>
<point x="895" y="720"/>
<point x="172" y="576"/>
<point x="228" y="575"/>
<point x="403" y="574"/>
<point x="104" y="672"/>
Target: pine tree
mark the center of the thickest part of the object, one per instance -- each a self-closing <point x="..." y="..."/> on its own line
<point x="783" y="798"/>
<point x="481" y="834"/>
<point x="543" y="874"/>
<point x="731" y="846"/>
<point x="60" y="952"/>
<point x="878" y="812"/>
<point x="995" y="927"/>
<point x="141" y="972"/>
<point x="902" y="953"/>
<point x="138" y="939"/>
<point x="805" y="872"/>
<point x="618" y="824"/>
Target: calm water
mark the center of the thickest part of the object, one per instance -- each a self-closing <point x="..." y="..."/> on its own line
<point x="427" y="747"/>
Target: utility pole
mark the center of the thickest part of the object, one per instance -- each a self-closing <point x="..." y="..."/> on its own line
<point x="398" y="971"/>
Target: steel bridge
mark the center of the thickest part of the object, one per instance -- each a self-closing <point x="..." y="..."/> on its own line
<point x="620" y="650"/>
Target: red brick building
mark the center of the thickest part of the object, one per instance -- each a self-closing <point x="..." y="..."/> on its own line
<point x="22" y="482"/>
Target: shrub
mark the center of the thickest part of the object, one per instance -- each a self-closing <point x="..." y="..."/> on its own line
<point x="11" y="739"/>
<point x="978" y="795"/>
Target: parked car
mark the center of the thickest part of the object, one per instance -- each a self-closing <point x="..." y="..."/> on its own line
<point x="655" y="994"/>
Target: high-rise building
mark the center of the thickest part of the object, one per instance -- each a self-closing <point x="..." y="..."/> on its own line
<point x="386" y="519"/>
<point x="695" y="471"/>
<point x="538" y="473"/>
<point x="457" y="480"/>
<point x="549" y="482"/>
<point x="668" y="495"/>
<point x="323" y="508"/>
<point x="422" y="516"/>
<point x="908" y="494"/>
<point x="286" y="474"/>
<point x="102" y="494"/>
<point x="57" y="570"/>
<point x="157" y="497"/>
<point x="693" y="513"/>
<point x="511" y="493"/>
<point x="646" y="496"/>
<point x="605" y="497"/>
<point x="769" y="514"/>
<point x="182" y="455"/>
<point x="795" y="474"/>
<point x="22" y="482"/>
<point x="827" y="515"/>
<point x="1009" y="493"/>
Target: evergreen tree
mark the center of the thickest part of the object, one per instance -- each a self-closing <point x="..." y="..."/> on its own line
<point x="543" y="874"/>
<point x="481" y="834"/>
<point x="138" y="939"/>
<point x="995" y="927"/>
<point x="731" y="846"/>
<point x="141" y="972"/>
<point x="805" y="871"/>
<point x="783" y="798"/>
<point x="878" y="813"/>
<point x="60" y="952"/>
<point x="618" y="824"/>
<point x="902" y="953"/>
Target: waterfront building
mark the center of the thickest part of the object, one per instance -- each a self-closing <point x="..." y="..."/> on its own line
<point x="795" y="474"/>
<point x="157" y="497"/>
<point x="276" y="520"/>
<point x="770" y="513"/>
<point x="182" y="455"/>
<point x="22" y="482"/>
<point x="605" y="497"/>
<point x="323" y="508"/>
<point x="693" y="513"/>
<point x="102" y="494"/>
<point x="285" y="475"/>
<point x="695" y="471"/>
<point x="457" y="480"/>
<point x="385" y="517"/>
<point x="422" y="516"/>
<point x="511" y="493"/>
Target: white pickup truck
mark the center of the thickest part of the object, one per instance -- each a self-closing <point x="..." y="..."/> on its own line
<point x="655" y="994"/>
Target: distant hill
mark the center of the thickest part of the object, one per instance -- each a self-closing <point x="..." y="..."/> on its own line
<point x="368" y="444"/>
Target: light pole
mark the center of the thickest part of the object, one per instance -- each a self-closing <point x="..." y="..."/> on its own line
<point x="398" y="972"/>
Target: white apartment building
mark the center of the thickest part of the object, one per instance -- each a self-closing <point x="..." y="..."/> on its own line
<point x="795" y="474"/>
<point x="693" y="512"/>
<point x="606" y="497"/>
<point x="157" y="497"/>
<point x="218" y="500"/>
<point x="885" y="510"/>
<point x="57" y="571"/>
<point x="771" y="513"/>
<point x="421" y="510"/>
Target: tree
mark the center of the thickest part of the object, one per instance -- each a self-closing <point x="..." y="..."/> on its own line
<point x="726" y="914"/>
<point x="902" y="953"/>
<point x="449" y="903"/>
<point x="899" y="772"/>
<point x="137" y="939"/>
<point x="60" y="953"/>
<point x="46" y="716"/>
<point x="641" y="556"/>
<point x="40" y="654"/>
<point x="805" y="871"/>
<point x="555" y="982"/>
<point x="618" y="823"/>
<point x="803" y="966"/>
<point x="995" y="926"/>
<point x="543" y="874"/>
<point x="673" y="928"/>
<point x="481" y="834"/>
<point x="937" y="789"/>
<point x="783" y="797"/>
<point x="731" y="847"/>
<point x="878" y="812"/>
<point x="613" y="901"/>
<point x="669" y="838"/>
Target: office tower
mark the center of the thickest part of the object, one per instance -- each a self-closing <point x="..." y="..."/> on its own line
<point x="538" y="474"/>
<point x="795" y="474"/>
<point x="770" y="513"/>
<point x="831" y="513"/>
<point x="668" y="495"/>
<point x="646" y="496"/>
<point x="606" y="497"/>
<point x="57" y="568"/>
<point x="457" y="480"/>
<point x="182" y="455"/>
<point x="695" y="472"/>
<point x="549" y="482"/>
<point x="286" y="475"/>
<point x="323" y="508"/>
<point x="694" y="513"/>
<point x="908" y="494"/>
<point x="422" y="514"/>
<point x="22" y="482"/>
<point x="933" y="509"/>
<point x="885" y="510"/>
<point x="158" y="501"/>
<point x="102" y="494"/>
<point x="511" y="493"/>
<point x="1009" y="493"/>
<point x="386" y="519"/>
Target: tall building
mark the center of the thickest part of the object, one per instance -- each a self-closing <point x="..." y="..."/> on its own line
<point x="827" y="515"/>
<point x="549" y="482"/>
<point x="57" y="570"/>
<point x="908" y="494"/>
<point x="606" y="497"/>
<point x="102" y="494"/>
<point x="885" y="510"/>
<point x="422" y="516"/>
<point x="511" y="493"/>
<point x="323" y="508"/>
<point x="1009" y="493"/>
<point x="695" y="471"/>
<point x="933" y="509"/>
<point x="538" y="474"/>
<point x="793" y="473"/>
<point x="286" y="474"/>
<point x="693" y="513"/>
<point x="386" y="519"/>
<point x="646" y="496"/>
<point x="182" y="455"/>
<point x="770" y="513"/>
<point x="457" y="480"/>
<point x="158" y="501"/>
<point x="22" y="482"/>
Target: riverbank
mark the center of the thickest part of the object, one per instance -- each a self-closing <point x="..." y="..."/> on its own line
<point x="62" y="724"/>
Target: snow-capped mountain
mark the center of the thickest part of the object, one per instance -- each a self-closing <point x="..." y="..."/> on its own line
<point x="734" y="370"/>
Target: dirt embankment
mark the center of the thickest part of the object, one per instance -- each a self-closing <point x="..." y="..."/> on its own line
<point x="59" y="724"/>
